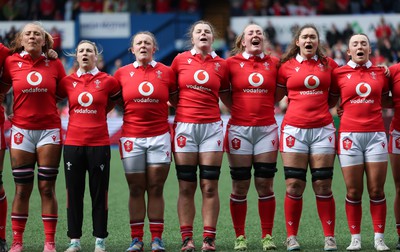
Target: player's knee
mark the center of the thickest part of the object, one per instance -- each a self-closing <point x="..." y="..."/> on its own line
<point x="47" y="173"/>
<point x="47" y="192"/>
<point x="186" y="172"/>
<point x="321" y="173"/>
<point x="265" y="170"/>
<point x="240" y="173"/>
<point x="295" y="173"/>
<point x="23" y="174"/>
<point x="210" y="172"/>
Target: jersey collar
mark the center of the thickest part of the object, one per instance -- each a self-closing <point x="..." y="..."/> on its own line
<point x="153" y="63"/>
<point x="93" y="72"/>
<point x="247" y="55"/>
<point x="213" y="53"/>
<point x="24" y="53"/>
<point x="300" y="59"/>
<point x="353" y="65"/>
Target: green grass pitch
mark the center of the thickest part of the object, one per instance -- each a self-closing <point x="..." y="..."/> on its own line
<point x="310" y="234"/>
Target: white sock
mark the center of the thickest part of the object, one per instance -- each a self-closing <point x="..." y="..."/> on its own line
<point x="99" y="239"/>
<point x="378" y="236"/>
<point x="356" y="236"/>
<point x="76" y="241"/>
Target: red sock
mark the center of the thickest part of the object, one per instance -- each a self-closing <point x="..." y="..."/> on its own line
<point x="18" y="223"/>
<point x="326" y="212"/>
<point x="50" y="226"/>
<point x="238" y="207"/>
<point x="398" y="229"/>
<point x="3" y="214"/>
<point x="156" y="228"/>
<point x="378" y="214"/>
<point x="293" y="208"/>
<point x="266" y="210"/>
<point x="209" y="232"/>
<point x="137" y="229"/>
<point x="186" y="231"/>
<point x="353" y="213"/>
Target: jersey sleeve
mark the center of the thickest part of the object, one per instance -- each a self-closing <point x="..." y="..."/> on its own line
<point x="61" y="70"/>
<point x="4" y="52"/>
<point x="334" y="88"/>
<point x="282" y="78"/>
<point x="61" y="92"/>
<point x="225" y="84"/>
<point x="115" y="87"/>
<point x="6" y="76"/>
<point x="394" y="72"/>
<point x="175" y="64"/>
<point x="172" y="84"/>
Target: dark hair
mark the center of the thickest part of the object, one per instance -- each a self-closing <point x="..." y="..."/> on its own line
<point x="293" y="49"/>
<point x="146" y="33"/>
<point x="361" y="33"/>
<point x="191" y="29"/>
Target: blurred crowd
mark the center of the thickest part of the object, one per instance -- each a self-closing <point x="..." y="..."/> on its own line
<point x="69" y="9"/>
<point x="311" y="7"/>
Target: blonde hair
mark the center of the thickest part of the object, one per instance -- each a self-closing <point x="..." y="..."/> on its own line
<point x="238" y="46"/>
<point x="16" y="44"/>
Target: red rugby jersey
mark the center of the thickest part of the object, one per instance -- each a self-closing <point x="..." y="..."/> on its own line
<point x="395" y="87"/>
<point x="34" y="85"/>
<point x="145" y="92"/>
<point x="199" y="82"/>
<point x="88" y="96"/>
<point x="253" y="85"/>
<point x="360" y="89"/>
<point x="4" y="51"/>
<point x="307" y="83"/>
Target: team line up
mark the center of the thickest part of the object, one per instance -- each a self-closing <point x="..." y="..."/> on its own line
<point x="249" y="83"/>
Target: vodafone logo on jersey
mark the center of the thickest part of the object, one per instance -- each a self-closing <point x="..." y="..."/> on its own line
<point x="34" y="78"/>
<point x="256" y="79"/>
<point x="85" y="99"/>
<point x="201" y="76"/>
<point x="146" y="88"/>
<point x="311" y="82"/>
<point x="363" y="89"/>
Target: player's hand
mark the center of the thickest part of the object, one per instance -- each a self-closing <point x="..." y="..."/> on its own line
<point x="339" y="111"/>
<point x="387" y="71"/>
<point x="52" y="54"/>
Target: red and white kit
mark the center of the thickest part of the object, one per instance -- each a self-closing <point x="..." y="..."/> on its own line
<point x="88" y="96"/>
